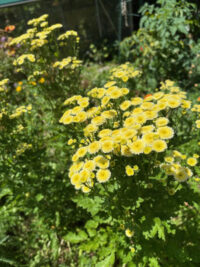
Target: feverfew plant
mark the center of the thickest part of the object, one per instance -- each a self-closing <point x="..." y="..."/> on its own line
<point x="47" y="56"/>
<point x="128" y="158"/>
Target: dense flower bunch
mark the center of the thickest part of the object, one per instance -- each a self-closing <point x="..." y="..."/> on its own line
<point x="41" y="36"/>
<point x="3" y="84"/>
<point x="124" y="72"/>
<point x="121" y="125"/>
<point x="6" y="108"/>
<point x="196" y="109"/>
<point x="20" y="60"/>
<point x="73" y="62"/>
<point x="177" y="166"/>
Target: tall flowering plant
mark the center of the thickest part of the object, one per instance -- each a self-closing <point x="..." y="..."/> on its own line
<point x="48" y="57"/>
<point x="134" y="153"/>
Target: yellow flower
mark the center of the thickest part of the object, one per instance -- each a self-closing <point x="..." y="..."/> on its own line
<point x="125" y="91"/>
<point x="105" y="132"/>
<point x="90" y="165"/>
<point x="162" y="121"/>
<point x="89" y="129"/>
<point x="109" y="114"/>
<point x="192" y="161"/>
<point x="81" y="116"/>
<point x="129" y="133"/>
<point x="173" y="103"/>
<point x="125" y="105"/>
<point x="67" y="120"/>
<point x="148" y="138"/>
<point x="99" y="120"/>
<point x="147" y="150"/>
<point x="115" y="94"/>
<point x="181" y="175"/>
<point x="105" y="100"/>
<point x="151" y="114"/>
<point x="169" y="159"/>
<point x="129" y="122"/>
<point x="84" y="175"/>
<point x="132" y="249"/>
<point x="128" y="233"/>
<point x="147" y="129"/>
<point x="140" y="118"/>
<point x="18" y="88"/>
<point x="147" y="105"/>
<point x="136" y="101"/>
<point x="107" y="146"/>
<point x="129" y="170"/>
<point x="158" y="95"/>
<point x="41" y="80"/>
<point x="125" y="151"/>
<point x="94" y="147"/>
<point x="177" y="154"/>
<point x="189" y="172"/>
<point x="70" y="142"/>
<point x="109" y="84"/>
<point x="83" y="103"/>
<point x="85" y="189"/>
<point x="137" y="147"/>
<point x="102" y="162"/>
<point x="103" y="175"/>
<point x="76" y="179"/>
<point x="165" y="132"/>
<point x="159" y="145"/>
<point x="81" y="152"/>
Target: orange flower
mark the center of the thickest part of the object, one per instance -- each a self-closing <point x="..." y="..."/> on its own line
<point x="11" y="52"/>
<point x="198" y="99"/>
<point x="9" y="28"/>
<point x="147" y="95"/>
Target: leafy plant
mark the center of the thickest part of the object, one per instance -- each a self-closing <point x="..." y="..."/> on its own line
<point x="161" y="47"/>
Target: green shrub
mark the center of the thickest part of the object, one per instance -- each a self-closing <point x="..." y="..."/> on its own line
<point x="162" y="47"/>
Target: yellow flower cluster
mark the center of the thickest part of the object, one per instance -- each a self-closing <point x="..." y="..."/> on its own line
<point x="68" y="34"/>
<point x="37" y="21"/>
<point x="2" y="84"/>
<point x="124" y="72"/>
<point x="118" y="126"/>
<point x="18" y="129"/>
<point x="130" y="171"/>
<point x="35" y="43"/>
<point x="19" y="111"/>
<point x="20" y="60"/>
<point x="33" y="36"/>
<point x="196" y="108"/>
<point x="176" y="165"/>
<point x="23" y="147"/>
<point x="71" y="62"/>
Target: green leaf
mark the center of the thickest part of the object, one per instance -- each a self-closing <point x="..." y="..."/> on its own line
<point x="76" y="238"/>
<point x="39" y="197"/>
<point x="91" y="205"/>
<point x="91" y="224"/>
<point x="107" y="262"/>
<point x="153" y="262"/>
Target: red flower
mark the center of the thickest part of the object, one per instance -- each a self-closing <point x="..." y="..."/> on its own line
<point x="141" y="48"/>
